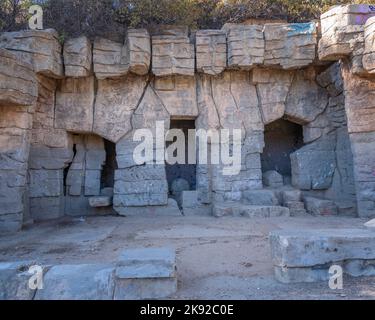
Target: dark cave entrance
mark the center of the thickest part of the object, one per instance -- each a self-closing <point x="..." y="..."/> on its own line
<point x="181" y="177"/>
<point x="282" y="138"/>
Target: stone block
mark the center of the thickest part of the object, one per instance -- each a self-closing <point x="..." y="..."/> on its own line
<point x="145" y="205"/>
<point x="99" y="202"/>
<point x="290" y="46"/>
<point x="370" y="224"/>
<point x="92" y="182"/>
<point x="172" y="55"/>
<point x="306" y="100"/>
<point x="320" y="207"/>
<point x="40" y="48"/>
<point x="261" y="198"/>
<point x="341" y="26"/>
<point x="46" y="183"/>
<point x="273" y="179"/>
<point x="313" y="166"/>
<point x="237" y="209"/>
<point x="146" y="274"/>
<point x="211" y="51"/>
<point x="78" y="282"/>
<point x="113" y="59"/>
<point x="78" y="57"/>
<point x="273" y="87"/>
<point x="245" y="46"/>
<point x="291" y="195"/>
<point x="75" y="105"/>
<point x="309" y="248"/>
<point x="178" y="95"/>
<point x="46" y="208"/>
<point x="18" y="83"/>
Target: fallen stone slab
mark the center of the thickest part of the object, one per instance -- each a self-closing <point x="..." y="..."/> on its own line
<point x="320" y="207"/>
<point x="78" y="282"/>
<point x="146" y="273"/>
<point x="307" y="248"/>
<point x="370" y="224"/>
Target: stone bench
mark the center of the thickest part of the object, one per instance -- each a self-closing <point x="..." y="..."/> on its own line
<point x="307" y="255"/>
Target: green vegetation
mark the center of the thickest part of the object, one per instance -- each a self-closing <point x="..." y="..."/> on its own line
<point x="108" y="17"/>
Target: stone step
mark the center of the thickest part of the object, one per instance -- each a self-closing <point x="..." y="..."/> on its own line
<point x="320" y="207"/>
<point x="307" y="255"/>
<point x="260" y="198"/>
<point x="245" y="210"/>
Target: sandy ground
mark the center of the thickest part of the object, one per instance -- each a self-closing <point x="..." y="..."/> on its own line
<point x="227" y="258"/>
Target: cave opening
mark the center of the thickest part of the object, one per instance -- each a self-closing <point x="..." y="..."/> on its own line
<point x="282" y="138"/>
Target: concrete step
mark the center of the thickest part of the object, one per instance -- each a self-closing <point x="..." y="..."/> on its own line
<point x="245" y="210"/>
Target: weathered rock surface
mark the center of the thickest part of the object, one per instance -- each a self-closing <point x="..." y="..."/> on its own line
<point x="211" y="51"/>
<point x="115" y="103"/>
<point x="273" y="88"/>
<point x="288" y="247"/>
<point x="320" y="207"/>
<point x="237" y="209"/>
<point x="113" y="59"/>
<point x="313" y="165"/>
<point x="306" y="100"/>
<point x="246" y="46"/>
<point x="273" y="179"/>
<point x="369" y="50"/>
<point x="172" y="55"/>
<point x="78" y="57"/>
<point x="178" y="95"/>
<point x="290" y="45"/>
<point x="261" y="198"/>
<point x="78" y="282"/>
<point x="75" y="104"/>
<point x="18" y="83"/>
<point x="341" y="27"/>
<point x="41" y="49"/>
<point x="100" y="201"/>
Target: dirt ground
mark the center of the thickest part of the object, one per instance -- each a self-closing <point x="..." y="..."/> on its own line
<point x="227" y="258"/>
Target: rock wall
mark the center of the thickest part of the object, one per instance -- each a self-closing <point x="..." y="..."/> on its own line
<point x="58" y="103"/>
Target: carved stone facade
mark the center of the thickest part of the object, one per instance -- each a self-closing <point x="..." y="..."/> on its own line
<point x="66" y="139"/>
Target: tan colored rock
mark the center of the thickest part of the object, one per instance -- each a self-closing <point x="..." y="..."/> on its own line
<point x="75" y="104"/>
<point x="273" y="87"/>
<point x="109" y="59"/>
<point x="41" y="49"/>
<point x="369" y="50"/>
<point x="78" y="57"/>
<point x="172" y="55"/>
<point x="179" y="96"/>
<point x="306" y="100"/>
<point x="211" y="51"/>
<point x="18" y="84"/>
<point x="291" y="45"/>
<point x="115" y="103"/>
<point x="359" y="102"/>
<point x="341" y="26"/>
<point x="139" y="46"/>
<point x="113" y="59"/>
<point x="245" y="45"/>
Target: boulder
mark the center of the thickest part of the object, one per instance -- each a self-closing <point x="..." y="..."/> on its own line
<point x="273" y="179"/>
<point x="211" y="51"/>
<point x="78" y="57"/>
<point x="40" y="48"/>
